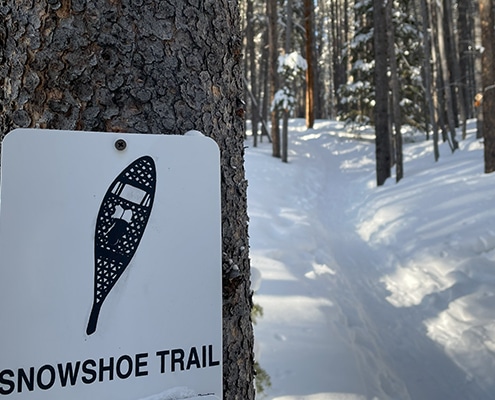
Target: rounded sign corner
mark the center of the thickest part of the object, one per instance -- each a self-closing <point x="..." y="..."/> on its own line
<point x="14" y="133"/>
<point x="212" y="142"/>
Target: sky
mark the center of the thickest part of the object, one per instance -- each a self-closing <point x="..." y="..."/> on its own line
<point x="372" y="292"/>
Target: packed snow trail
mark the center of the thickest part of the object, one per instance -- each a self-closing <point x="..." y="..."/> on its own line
<point x="328" y="331"/>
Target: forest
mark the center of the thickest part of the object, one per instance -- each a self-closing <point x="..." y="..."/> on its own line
<point x="161" y="66"/>
<point x="426" y="64"/>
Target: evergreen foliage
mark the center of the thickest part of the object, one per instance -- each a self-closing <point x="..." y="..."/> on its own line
<point x="358" y="94"/>
<point x="262" y="378"/>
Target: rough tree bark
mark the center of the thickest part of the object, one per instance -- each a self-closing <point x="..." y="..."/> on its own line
<point x="395" y="89"/>
<point x="451" y="43"/>
<point x="252" y="62"/>
<point x="149" y="67"/>
<point x="272" y="13"/>
<point x="285" y="115"/>
<point x="428" y="76"/>
<point x="310" y="58"/>
<point x="442" y="55"/>
<point x="488" y="78"/>
<point x="382" y="133"/>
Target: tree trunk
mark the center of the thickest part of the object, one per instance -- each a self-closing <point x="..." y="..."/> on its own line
<point x="382" y="133"/>
<point x="449" y="99"/>
<point x="285" y="136"/>
<point x="310" y="71"/>
<point x="288" y="27"/>
<point x="272" y="13"/>
<point x="438" y="85"/>
<point x="145" y="67"/>
<point x="396" y="99"/>
<point x="340" y="32"/>
<point x="466" y="56"/>
<point x="488" y="77"/>
<point x="264" y="72"/>
<point x="428" y="76"/>
<point x="478" y="68"/>
<point x="285" y="116"/>
<point x="252" y="61"/>
<point x="454" y="68"/>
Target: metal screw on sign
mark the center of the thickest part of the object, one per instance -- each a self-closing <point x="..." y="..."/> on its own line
<point x="120" y="144"/>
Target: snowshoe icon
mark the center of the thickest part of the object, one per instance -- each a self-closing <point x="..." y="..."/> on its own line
<point x="120" y="225"/>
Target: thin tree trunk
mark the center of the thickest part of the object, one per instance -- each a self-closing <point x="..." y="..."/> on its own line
<point x="478" y="68"/>
<point x="428" y="76"/>
<point x="288" y="27"/>
<point x="382" y="134"/>
<point x="264" y="68"/>
<point x="454" y="67"/>
<point x="394" y="83"/>
<point x="272" y="72"/>
<point x="285" y="136"/>
<point x="466" y="59"/>
<point x="449" y="101"/>
<point x="252" y="61"/>
<point x="287" y="47"/>
<point x="488" y="62"/>
<point x="310" y="71"/>
<point x="438" y="82"/>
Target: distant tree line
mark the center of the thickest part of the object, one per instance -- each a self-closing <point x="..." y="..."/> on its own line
<point x="422" y="63"/>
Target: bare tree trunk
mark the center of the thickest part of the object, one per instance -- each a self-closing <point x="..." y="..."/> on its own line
<point x="252" y="60"/>
<point x="454" y="68"/>
<point x="438" y="81"/>
<point x="382" y="133"/>
<point x="147" y="68"/>
<point x="310" y="71"/>
<point x="488" y="62"/>
<point x="288" y="27"/>
<point x="339" y="10"/>
<point x="449" y="101"/>
<point x="394" y="83"/>
<point x="287" y="47"/>
<point x="478" y="68"/>
<point x="272" y="71"/>
<point x="285" y="136"/>
<point x="428" y="76"/>
<point x="264" y="72"/>
<point x="466" y="56"/>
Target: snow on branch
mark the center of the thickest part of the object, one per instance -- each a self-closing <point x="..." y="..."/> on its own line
<point x="283" y="100"/>
<point x="291" y="65"/>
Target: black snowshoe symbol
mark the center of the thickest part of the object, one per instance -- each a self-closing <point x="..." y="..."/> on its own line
<point x="120" y="225"/>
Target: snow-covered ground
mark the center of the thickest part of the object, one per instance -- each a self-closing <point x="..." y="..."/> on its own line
<point x="373" y="293"/>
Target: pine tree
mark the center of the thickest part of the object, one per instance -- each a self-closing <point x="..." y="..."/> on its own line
<point x="358" y="95"/>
